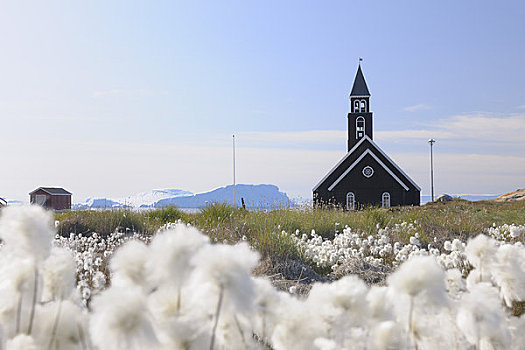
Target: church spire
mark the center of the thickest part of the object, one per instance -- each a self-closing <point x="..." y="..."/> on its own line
<point x="359" y="88"/>
<point x="360" y="116"/>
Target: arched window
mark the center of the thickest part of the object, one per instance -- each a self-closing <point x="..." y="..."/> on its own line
<point x="359" y="127"/>
<point x="350" y="201"/>
<point x="356" y="106"/>
<point x="385" y="200"/>
<point x="363" y="106"/>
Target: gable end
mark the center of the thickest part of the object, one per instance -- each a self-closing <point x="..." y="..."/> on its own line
<point x="368" y="151"/>
<point x="341" y="161"/>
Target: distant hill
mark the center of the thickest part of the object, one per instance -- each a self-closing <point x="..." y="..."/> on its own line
<point x="468" y="197"/>
<point x="255" y="196"/>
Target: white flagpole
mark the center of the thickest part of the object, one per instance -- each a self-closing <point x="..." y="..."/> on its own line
<point x="431" y="142"/>
<point x="234" y="202"/>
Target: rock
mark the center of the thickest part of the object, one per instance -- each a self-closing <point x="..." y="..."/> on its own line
<point x="443" y="198"/>
<point x="517" y="195"/>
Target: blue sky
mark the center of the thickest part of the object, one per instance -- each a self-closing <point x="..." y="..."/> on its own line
<point x="108" y="98"/>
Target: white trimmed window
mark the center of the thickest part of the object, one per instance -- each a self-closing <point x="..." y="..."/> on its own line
<point x="385" y="200"/>
<point x="356" y="106"/>
<point x="363" y="106"/>
<point x="350" y="201"/>
<point x="368" y="171"/>
<point x="359" y="127"/>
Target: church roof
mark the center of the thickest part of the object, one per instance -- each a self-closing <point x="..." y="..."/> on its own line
<point x="359" y="88"/>
<point x="53" y="190"/>
<point x="373" y="149"/>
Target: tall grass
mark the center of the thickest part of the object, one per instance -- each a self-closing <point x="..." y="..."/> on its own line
<point x="104" y="222"/>
<point x="263" y="229"/>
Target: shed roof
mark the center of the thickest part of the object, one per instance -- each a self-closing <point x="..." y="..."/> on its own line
<point x="53" y="191"/>
<point x="359" y="88"/>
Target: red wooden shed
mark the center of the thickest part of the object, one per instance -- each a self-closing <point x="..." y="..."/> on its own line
<point x="55" y="198"/>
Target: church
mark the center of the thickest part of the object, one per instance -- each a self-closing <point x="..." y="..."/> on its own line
<point x="365" y="176"/>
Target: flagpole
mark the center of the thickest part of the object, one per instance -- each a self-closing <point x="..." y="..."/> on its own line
<point x="234" y="202"/>
<point x="431" y="142"/>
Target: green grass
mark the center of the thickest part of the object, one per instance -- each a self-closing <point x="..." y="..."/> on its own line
<point x="104" y="222"/>
<point x="224" y="223"/>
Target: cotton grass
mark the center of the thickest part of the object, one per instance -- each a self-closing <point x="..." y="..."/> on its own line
<point x="177" y="290"/>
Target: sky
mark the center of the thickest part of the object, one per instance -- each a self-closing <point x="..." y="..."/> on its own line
<point x="111" y="98"/>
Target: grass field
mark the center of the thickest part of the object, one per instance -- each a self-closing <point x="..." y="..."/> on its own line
<point x="445" y="221"/>
<point x="447" y="275"/>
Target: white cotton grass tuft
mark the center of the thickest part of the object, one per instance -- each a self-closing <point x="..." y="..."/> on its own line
<point x="455" y="282"/>
<point x="227" y="269"/>
<point x="60" y="324"/>
<point x="297" y="326"/>
<point x="480" y="253"/>
<point x="421" y="276"/>
<point x="171" y="252"/>
<point x="121" y="320"/>
<point x="128" y="265"/>
<point x="27" y="231"/>
<point x="325" y="344"/>
<point x="508" y="272"/>
<point x="340" y="303"/>
<point x="340" y="308"/>
<point x="175" y="326"/>
<point x="267" y="303"/>
<point x="379" y="304"/>
<point x="386" y="335"/>
<point x="17" y="292"/>
<point x="423" y="281"/>
<point x="482" y="319"/>
<point x="21" y="342"/>
<point x="59" y="273"/>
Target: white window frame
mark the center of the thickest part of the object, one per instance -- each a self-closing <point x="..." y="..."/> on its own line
<point x="371" y="171"/>
<point x="356" y="106"/>
<point x="350" y="201"/>
<point x="362" y="106"/>
<point x="385" y="200"/>
<point x="360" y="130"/>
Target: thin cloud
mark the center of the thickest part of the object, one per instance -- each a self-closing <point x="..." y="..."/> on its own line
<point x="126" y="93"/>
<point x="509" y="129"/>
<point x="413" y="134"/>
<point x="293" y="170"/>
<point x="483" y="129"/>
<point x="314" y="136"/>
<point x="417" y="108"/>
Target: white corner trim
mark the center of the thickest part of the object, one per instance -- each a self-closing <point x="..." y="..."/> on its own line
<point x="395" y="165"/>
<point x="358" y="160"/>
<point x="342" y="160"/>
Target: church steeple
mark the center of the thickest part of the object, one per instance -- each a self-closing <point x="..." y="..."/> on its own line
<point x="360" y="117"/>
<point x="359" y="88"/>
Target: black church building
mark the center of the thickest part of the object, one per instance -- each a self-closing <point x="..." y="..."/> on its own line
<point x="365" y="175"/>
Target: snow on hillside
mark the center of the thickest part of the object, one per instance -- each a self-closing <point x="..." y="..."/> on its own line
<point x="255" y="196"/>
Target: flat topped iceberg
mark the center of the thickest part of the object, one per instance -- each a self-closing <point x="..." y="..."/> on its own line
<point x="254" y="196"/>
<point x="151" y="197"/>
